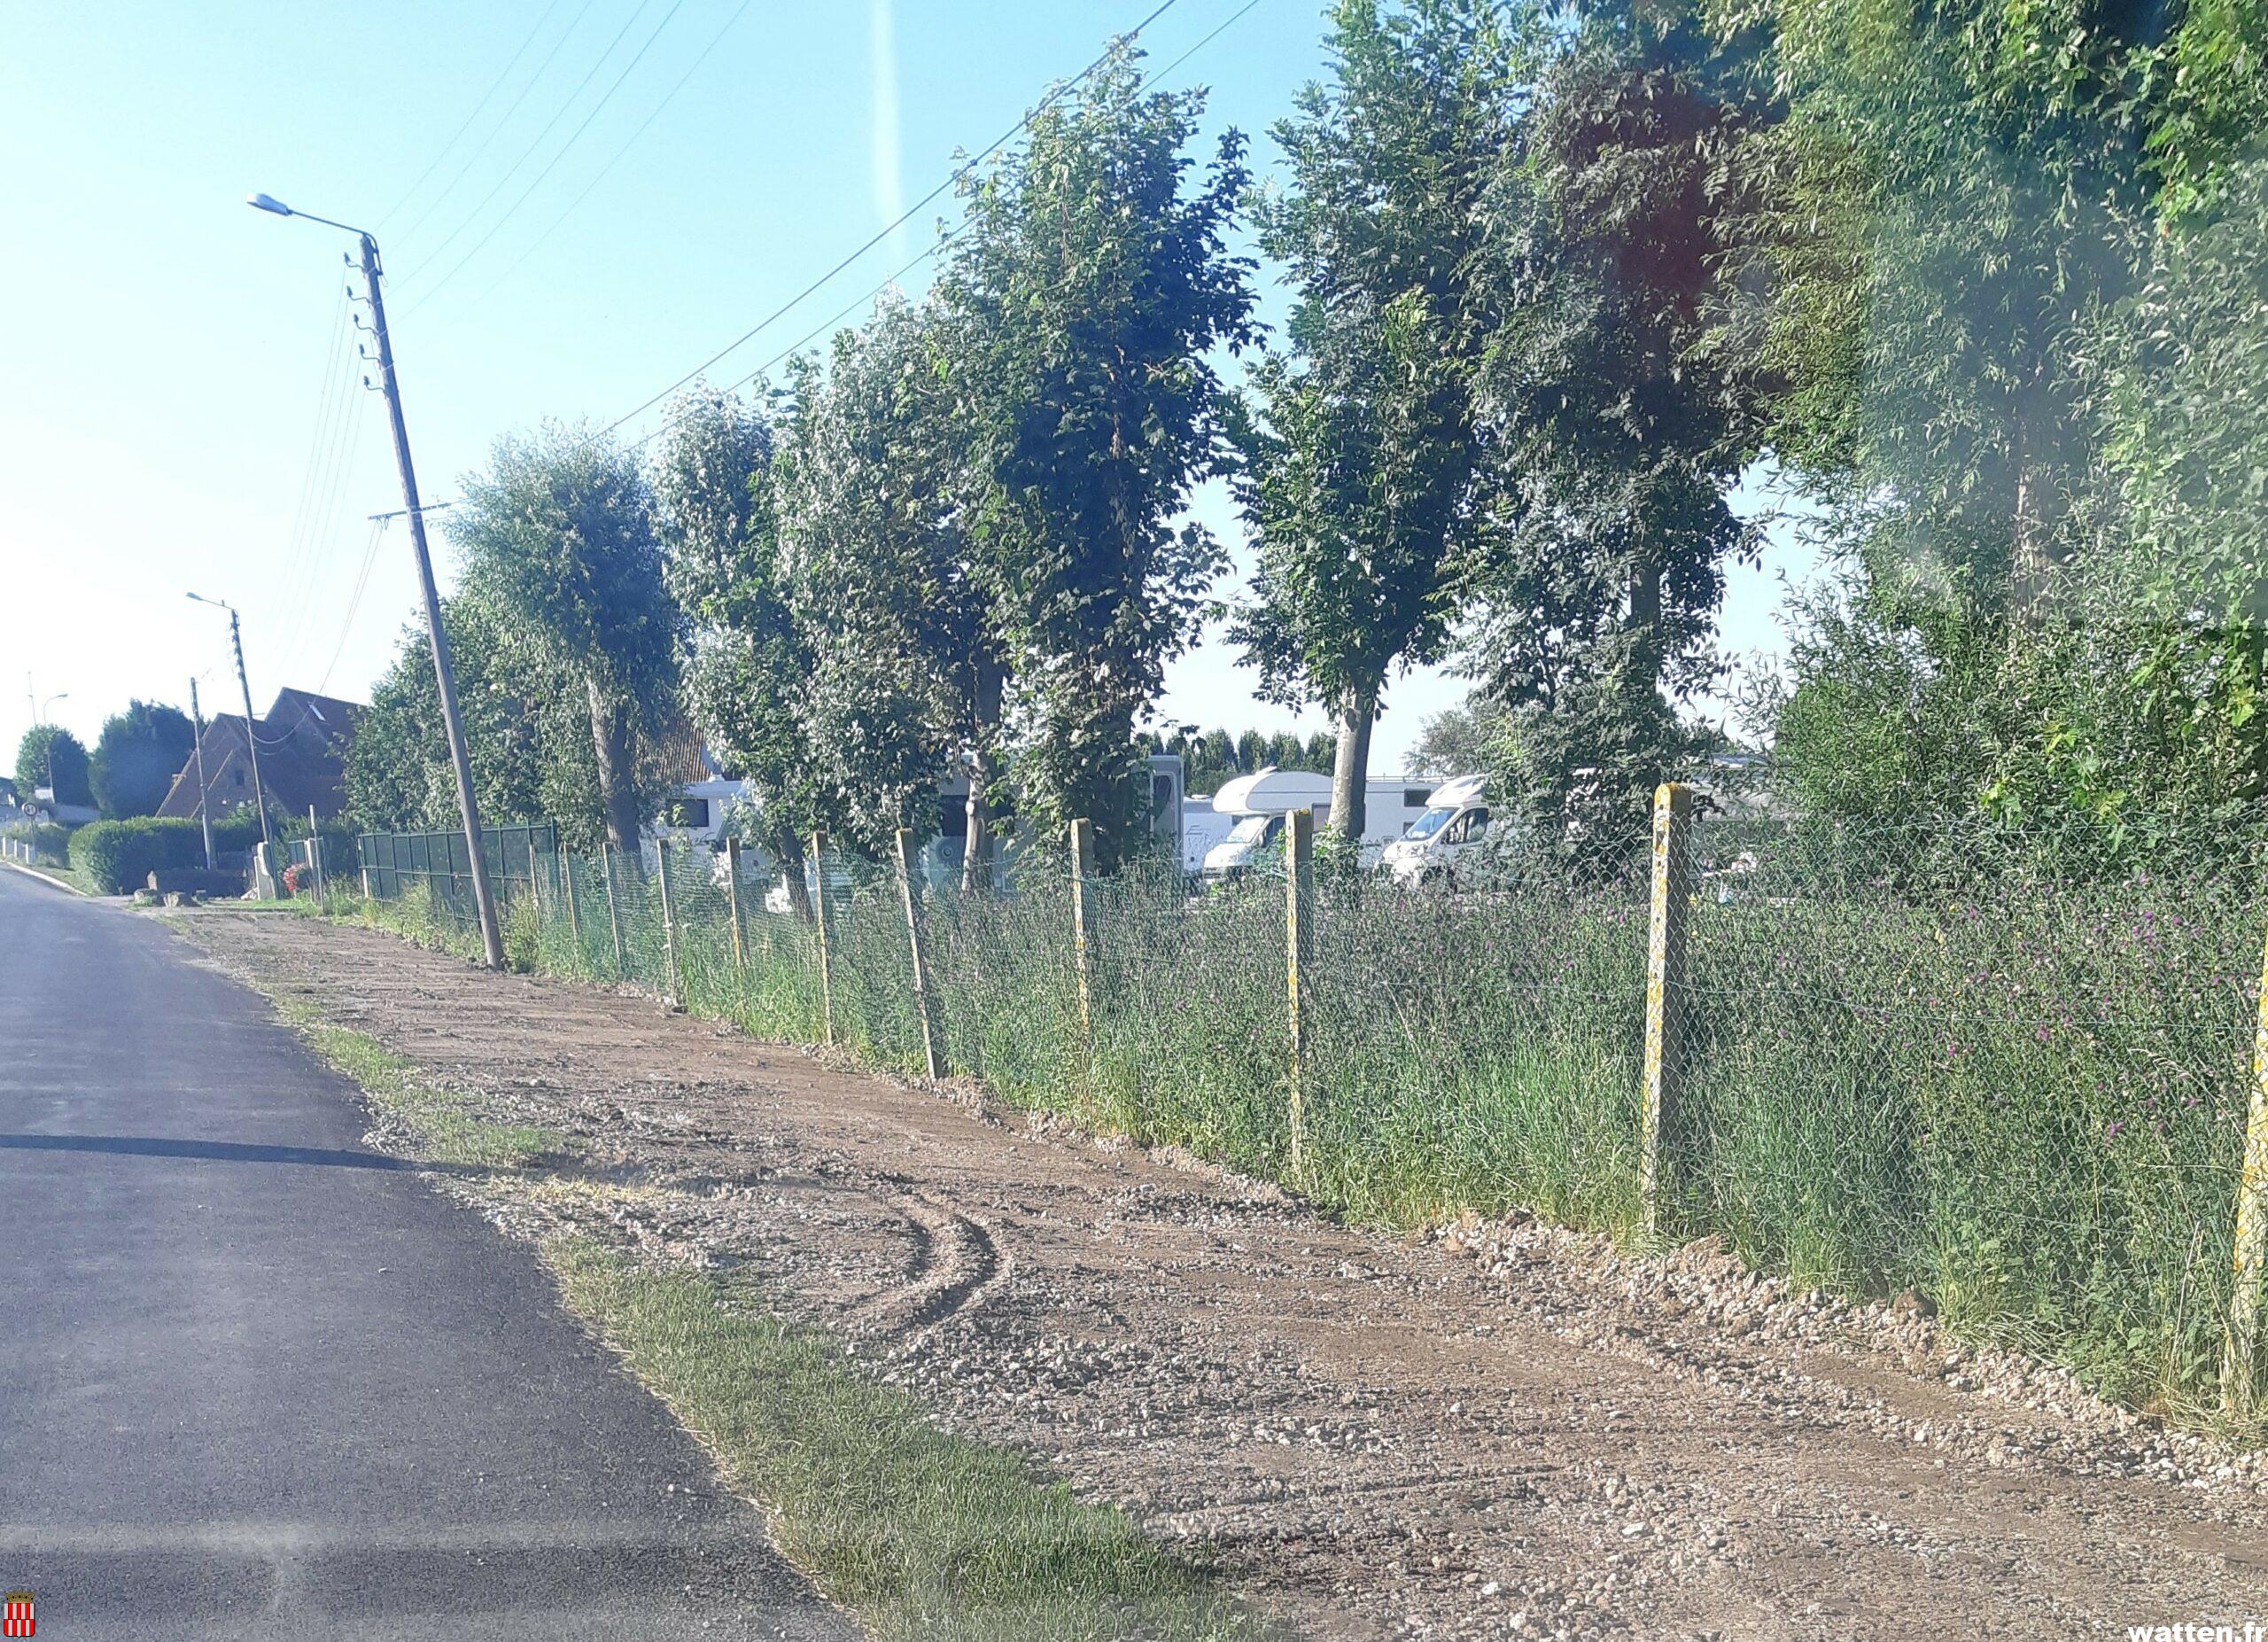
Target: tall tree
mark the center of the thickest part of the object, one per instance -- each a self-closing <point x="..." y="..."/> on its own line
<point x="138" y="756"/>
<point x="559" y="532"/>
<point x="1360" y="487"/>
<point x="51" y="756"/>
<point x="1621" y="426"/>
<point x="1083" y="300"/>
<point x="909" y="669"/>
<point x="748" y="664"/>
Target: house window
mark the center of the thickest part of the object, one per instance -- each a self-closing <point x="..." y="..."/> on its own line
<point x="692" y="813"/>
<point x="1414" y="798"/>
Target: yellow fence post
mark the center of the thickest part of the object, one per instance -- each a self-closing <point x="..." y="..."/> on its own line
<point x="535" y="890"/>
<point x="733" y="901"/>
<point x="819" y="920"/>
<point x="1298" y="949"/>
<point x="905" y="886"/>
<point x="614" y="914"/>
<point x="1083" y="923"/>
<point x="2240" y="1352"/>
<point x="567" y="894"/>
<point x="1672" y="904"/>
<point x="669" y="927"/>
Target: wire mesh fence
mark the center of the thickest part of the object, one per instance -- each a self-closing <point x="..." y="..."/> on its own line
<point x="1879" y="1063"/>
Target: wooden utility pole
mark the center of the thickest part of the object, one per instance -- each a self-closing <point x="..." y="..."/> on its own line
<point x="204" y="809"/>
<point x="491" y="934"/>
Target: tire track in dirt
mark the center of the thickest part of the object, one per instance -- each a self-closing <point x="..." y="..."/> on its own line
<point x="1507" y="1432"/>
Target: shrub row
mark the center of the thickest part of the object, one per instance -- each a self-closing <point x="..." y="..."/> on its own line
<point x="48" y="841"/>
<point x="117" y="856"/>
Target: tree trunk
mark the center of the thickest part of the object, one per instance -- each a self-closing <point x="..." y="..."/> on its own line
<point x="976" y="851"/>
<point x="1350" y="774"/>
<point x="789" y="852"/>
<point x="618" y="792"/>
<point x="2033" y="555"/>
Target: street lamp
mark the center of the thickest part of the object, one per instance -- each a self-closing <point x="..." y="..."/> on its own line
<point x="251" y="724"/>
<point x="492" y="935"/>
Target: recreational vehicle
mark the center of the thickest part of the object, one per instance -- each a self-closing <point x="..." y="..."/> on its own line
<point x="1455" y="819"/>
<point x="1261" y="801"/>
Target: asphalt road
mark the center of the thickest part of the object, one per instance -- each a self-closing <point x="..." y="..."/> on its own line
<point x="257" y="1380"/>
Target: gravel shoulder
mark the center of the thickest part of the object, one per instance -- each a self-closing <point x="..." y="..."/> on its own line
<point x="1492" y="1430"/>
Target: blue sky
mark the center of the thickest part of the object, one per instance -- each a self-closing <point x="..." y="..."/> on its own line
<point x="643" y="182"/>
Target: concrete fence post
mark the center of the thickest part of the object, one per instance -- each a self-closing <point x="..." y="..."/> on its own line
<point x="1670" y="907"/>
<point x="912" y="894"/>
<point x="1299" y="951"/>
<point x="669" y="927"/>
<point x="535" y="885"/>
<point x="823" y="924"/>
<point x="733" y="903"/>
<point x="614" y="913"/>
<point x="2240" y="1350"/>
<point x="1083" y="924"/>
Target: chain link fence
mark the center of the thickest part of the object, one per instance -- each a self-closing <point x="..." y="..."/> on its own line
<point x="1900" y="1060"/>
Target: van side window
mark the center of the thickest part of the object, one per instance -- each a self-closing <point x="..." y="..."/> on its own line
<point x="1475" y="824"/>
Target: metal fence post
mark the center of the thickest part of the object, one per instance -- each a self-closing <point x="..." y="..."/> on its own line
<point x="2240" y="1352"/>
<point x="1082" y="922"/>
<point x="819" y="918"/>
<point x="1298" y="949"/>
<point x="732" y="902"/>
<point x="913" y="941"/>
<point x="1671" y="905"/>
<point x="614" y="913"/>
<point x="669" y="927"/>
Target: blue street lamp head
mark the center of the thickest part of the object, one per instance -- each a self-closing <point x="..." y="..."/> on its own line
<point x="267" y="202"/>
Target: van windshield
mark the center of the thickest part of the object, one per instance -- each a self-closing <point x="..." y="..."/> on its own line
<point x="1431" y="822"/>
<point x="1254" y="829"/>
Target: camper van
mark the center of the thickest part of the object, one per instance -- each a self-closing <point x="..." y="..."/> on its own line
<point x="1259" y="803"/>
<point x="1455" y="819"/>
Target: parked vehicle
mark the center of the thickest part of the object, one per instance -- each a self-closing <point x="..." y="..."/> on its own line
<point x="1455" y="819"/>
<point x="1261" y="801"/>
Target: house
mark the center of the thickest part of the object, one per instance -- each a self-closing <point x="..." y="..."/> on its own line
<point x="303" y="745"/>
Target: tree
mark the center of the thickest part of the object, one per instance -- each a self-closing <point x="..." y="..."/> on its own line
<point x="1621" y="426"/>
<point x="747" y="669"/>
<point x="1083" y="301"/>
<point x="559" y="533"/>
<point x="910" y="666"/>
<point x="1462" y="741"/>
<point x="137" y="758"/>
<point x="51" y="756"/>
<point x="528" y="734"/>
<point x="1361" y="478"/>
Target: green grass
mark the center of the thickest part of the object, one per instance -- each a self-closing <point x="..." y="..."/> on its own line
<point x="441" y="1126"/>
<point x="921" y="1533"/>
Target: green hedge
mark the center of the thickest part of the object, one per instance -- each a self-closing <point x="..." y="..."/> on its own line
<point x="48" y="841"/>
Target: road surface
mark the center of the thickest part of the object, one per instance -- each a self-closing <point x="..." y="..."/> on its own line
<point x="257" y="1380"/>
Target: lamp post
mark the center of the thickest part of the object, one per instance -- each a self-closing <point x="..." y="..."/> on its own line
<point x="251" y="724"/>
<point x="492" y="936"/>
<point x="39" y="718"/>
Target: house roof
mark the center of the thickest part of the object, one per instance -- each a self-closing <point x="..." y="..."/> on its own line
<point x="303" y="743"/>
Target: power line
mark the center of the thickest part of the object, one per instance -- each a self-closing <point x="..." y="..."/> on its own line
<point x="528" y="154"/>
<point x="573" y="137"/>
<point x="494" y="86"/>
<point x="601" y="176"/>
<point x="991" y="148"/>
<point x="503" y="120"/>
<point x="793" y="348"/>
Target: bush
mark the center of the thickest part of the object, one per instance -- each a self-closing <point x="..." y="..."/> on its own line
<point x="116" y="856"/>
<point x="48" y="841"/>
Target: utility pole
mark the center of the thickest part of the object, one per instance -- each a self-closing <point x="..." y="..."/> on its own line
<point x="492" y="936"/>
<point x="204" y="809"/>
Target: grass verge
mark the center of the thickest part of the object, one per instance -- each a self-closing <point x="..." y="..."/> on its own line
<point x="923" y="1533"/>
<point x="439" y="1125"/>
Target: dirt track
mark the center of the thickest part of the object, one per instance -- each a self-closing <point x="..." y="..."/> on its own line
<point x="1491" y="1432"/>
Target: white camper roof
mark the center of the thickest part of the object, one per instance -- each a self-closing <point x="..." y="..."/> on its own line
<point x="1272" y="791"/>
<point x="1461" y="789"/>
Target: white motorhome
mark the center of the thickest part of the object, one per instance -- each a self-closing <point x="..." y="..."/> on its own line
<point x="1259" y="803"/>
<point x="1455" y="819"/>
